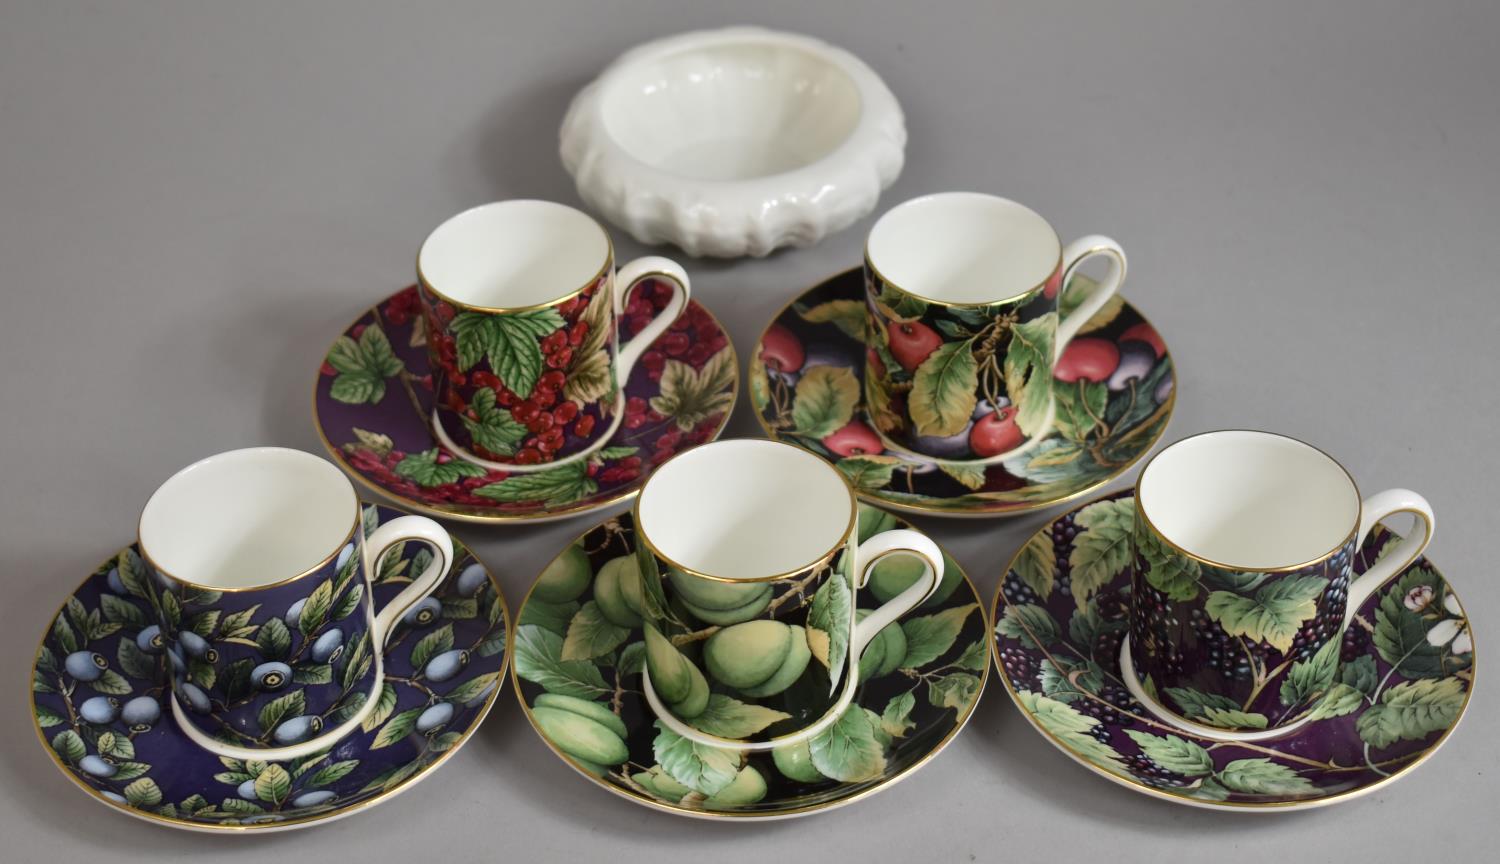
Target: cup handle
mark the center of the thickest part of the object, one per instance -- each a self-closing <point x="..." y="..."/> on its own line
<point x="900" y="541"/>
<point x="1375" y="508"/>
<point x="631" y="275"/>
<point x="418" y="528"/>
<point x="1079" y="251"/>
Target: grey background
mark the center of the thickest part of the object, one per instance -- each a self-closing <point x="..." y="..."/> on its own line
<point x="195" y="197"/>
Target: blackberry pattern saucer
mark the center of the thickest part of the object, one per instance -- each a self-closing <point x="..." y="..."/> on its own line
<point x="372" y="409"/>
<point x="100" y="706"/>
<point x="579" y="654"/>
<point x="807" y="387"/>
<point x="1404" y="677"/>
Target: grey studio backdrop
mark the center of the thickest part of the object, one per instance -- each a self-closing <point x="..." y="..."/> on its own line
<point x="196" y="197"/>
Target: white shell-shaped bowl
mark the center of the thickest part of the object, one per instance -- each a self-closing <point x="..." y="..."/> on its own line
<point x="734" y="142"/>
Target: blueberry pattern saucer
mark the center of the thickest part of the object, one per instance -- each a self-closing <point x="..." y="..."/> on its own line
<point x="807" y="387"/>
<point x="373" y="400"/>
<point x="577" y="670"/>
<point x="1404" y="677"/>
<point x="100" y="705"/>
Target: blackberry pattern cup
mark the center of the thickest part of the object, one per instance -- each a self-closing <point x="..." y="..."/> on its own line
<point x="750" y="565"/>
<point x="260" y="574"/>
<point x="519" y="303"/>
<point x="968" y="309"/>
<point x="1243" y="584"/>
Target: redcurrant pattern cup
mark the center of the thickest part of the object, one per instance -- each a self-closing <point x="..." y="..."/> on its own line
<point x="1242" y="586"/>
<point x="520" y="301"/>
<point x="964" y="323"/>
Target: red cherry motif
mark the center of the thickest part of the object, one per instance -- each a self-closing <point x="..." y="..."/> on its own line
<point x="854" y="439"/>
<point x="912" y="342"/>
<point x="1087" y="359"/>
<point x="996" y="433"/>
<point x="780" y="350"/>
<point x="1144" y="332"/>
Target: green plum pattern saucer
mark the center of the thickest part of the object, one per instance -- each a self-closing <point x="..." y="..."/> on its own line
<point x="1397" y="688"/>
<point x="1114" y="385"/>
<point x="579" y="651"/>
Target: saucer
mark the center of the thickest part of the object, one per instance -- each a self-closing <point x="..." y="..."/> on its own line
<point x="374" y="420"/>
<point x="111" y="732"/>
<point x="823" y="329"/>
<point x="1406" y="673"/>
<point x="578" y="677"/>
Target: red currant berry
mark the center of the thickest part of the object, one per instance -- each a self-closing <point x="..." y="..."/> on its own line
<point x="326" y="369"/>
<point x="584" y="426"/>
<point x="565" y="412"/>
<point x="482" y="378"/>
<point x="635" y="405"/>
<point x="544" y="398"/>
<point x="560" y="358"/>
<point x="635" y="421"/>
<point x="525" y="412"/>
<point x="552" y="438"/>
<point x="357" y="330"/>
<point x="653" y="361"/>
<point x="528" y="456"/>
<point x="540" y="423"/>
<point x="554" y="340"/>
<point x="579" y="332"/>
<point x="675" y="344"/>
<point x="505" y="397"/>
<point x="552" y="380"/>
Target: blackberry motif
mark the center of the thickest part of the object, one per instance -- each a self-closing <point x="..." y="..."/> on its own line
<point x="1356" y="644"/>
<point x="1222" y="653"/>
<point x="1018" y="593"/>
<point x="1104" y="712"/>
<point x="1023" y="670"/>
<point x="1146" y="769"/>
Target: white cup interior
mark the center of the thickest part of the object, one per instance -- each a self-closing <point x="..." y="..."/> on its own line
<point x="964" y="247"/>
<point x="248" y="518"/>
<point x="745" y="509"/>
<point x="1250" y="500"/>
<point x="512" y="254"/>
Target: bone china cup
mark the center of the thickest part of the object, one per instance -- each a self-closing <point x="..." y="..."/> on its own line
<point x="750" y="566"/>
<point x="965" y="322"/>
<point x="520" y="300"/>
<point x="1242" y="588"/>
<point x="262" y="589"/>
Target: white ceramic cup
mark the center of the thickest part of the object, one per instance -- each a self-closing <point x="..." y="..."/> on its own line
<point x="748" y="512"/>
<point x="272" y="539"/>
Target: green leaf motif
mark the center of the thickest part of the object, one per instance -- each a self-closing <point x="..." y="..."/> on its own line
<point x="730" y="718"/>
<point x="1167" y="571"/>
<point x="333" y="773"/>
<point x="632" y="659"/>
<point x="1233" y="718"/>
<point x="1071" y="728"/>
<point x="1086" y="628"/>
<point x="1360" y="673"/>
<point x="828" y="627"/>
<point x="1313" y="676"/>
<point x="975" y="657"/>
<point x="1173" y="753"/>
<point x="363" y="366"/>
<point x="495" y="430"/>
<point x="510" y="342"/>
<point x="273" y="785"/>
<point x="240" y="805"/>
<point x="690" y="396"/>
<point x="274" y="639"/>
<point x="971" y="477"/>
<point x="592" y="635"/>
<point x="314" y="673"/>
<point x="1196" y="703"/>
<point x="47" y="718"/>
<point x="135" y="662"/>
<point x="847" y="315"/>
<point x="293" y="704"/>
<point x="1412" y="710"/>
<point x="561" y="485"/>
<point x="64" y="635"/>
<point x="824" y="400"/>
<point x="348" y="603"/>
<point x="1028" y="370"/>
<point x="1068" y="681"/>
<point x="868" y="473"/>
<point x="1036" y="564"/>
<point x="111" y="683"/>
<point x="1030" y="624"/>
<point x="1341" y="699"/>
<point x="1264" y="777"/>
<point x="1275" y="613"/>
<point x="700" y="767"/>
<point x="397" y="727"/>
<point x="848" y="750"/>
<point x="1102" y="547"/>
<point x="118" y="610"/>
<point x="431" y="645"/>
<point x="384" y="705"/>
<point x="1401" y="634"/>
<point x="548" y="616"/>
<point x="69" y="746"/>
<point x="472" y="688"/>
<point x="538" y="659"/>
<point x="590" y="376"/>
<point x="132" y="573"/>
<point x="424" y="470"/>
<point x="957" y="690"/>
<point x="895" y="719"/>
<point x="1080" y="407"/>
<point x="315" y="608"/>
<point x="929" y="637"/>
<point x="944" y="390"/>
<point x="142" y="793"/>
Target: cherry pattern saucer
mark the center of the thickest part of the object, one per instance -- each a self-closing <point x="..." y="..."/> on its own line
<point x="99" y="700"/>
<point x="807" y="388"/>
<point x="373" y="402"/>
<point x="579" y="654"/>
<point x="1404" y="676"/>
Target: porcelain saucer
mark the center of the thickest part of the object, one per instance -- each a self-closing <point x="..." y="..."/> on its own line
<point x="823" y="411"/>
<point x="1405" y="676"/>
<point x="375" y="420"/>
<point x="571" y="658"/>
<point x="112" y="734"/>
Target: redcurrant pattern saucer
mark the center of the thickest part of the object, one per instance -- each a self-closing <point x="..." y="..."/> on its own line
<point x="1401" y="684"/>
<point x="99" y="696"/>
<point x="807" y="388"/>
<point x="579" y="654"/>
<point x="373" y="403"/>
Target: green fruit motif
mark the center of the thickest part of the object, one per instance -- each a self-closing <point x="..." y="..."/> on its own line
<point x="872" y="521"/>
<point x="660" y="783"/>
<point x="748" y="654"/>
<point x="696" y="701"/>
<point x="897" y="573"/>
<point x="747" y="788"/>
<point x="565" y="578"/>
<point x="593" y="768"/>
<point x="617" y="590"/>
<point x="721" y="602"/>
<point x="580" y="729"/>
<point x="677" y="681"/>
<point x="795" y="762"/>
<point x="790" y="670"/>
<point x="884" y="653"/>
